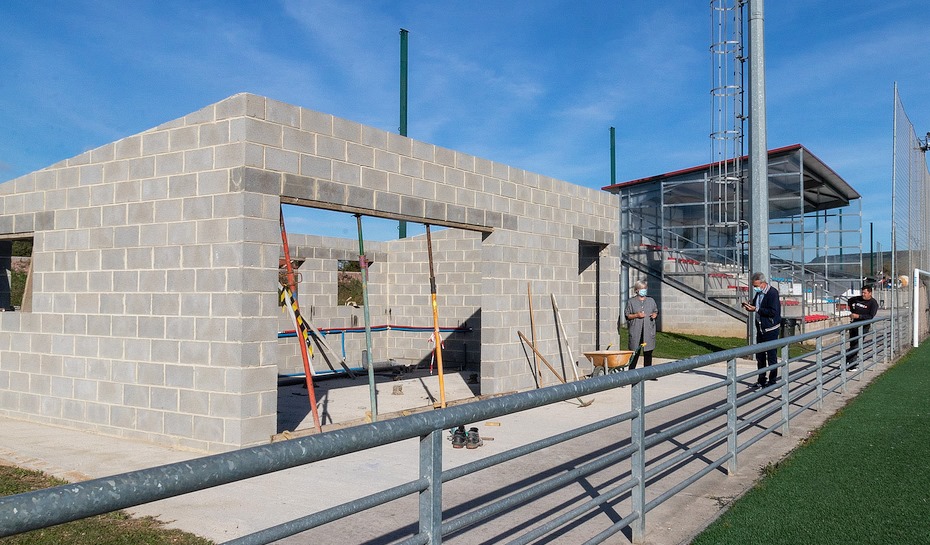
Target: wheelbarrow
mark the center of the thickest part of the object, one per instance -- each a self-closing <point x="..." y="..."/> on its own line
<point x="608" y="361"/>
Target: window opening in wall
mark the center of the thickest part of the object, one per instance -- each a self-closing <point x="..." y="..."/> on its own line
<point x="16" y="280"/>
<point x="349" y="282"/>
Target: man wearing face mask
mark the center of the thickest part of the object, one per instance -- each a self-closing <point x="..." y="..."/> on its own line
<point x="641" y="313"/>
<point x="767" y="308"/>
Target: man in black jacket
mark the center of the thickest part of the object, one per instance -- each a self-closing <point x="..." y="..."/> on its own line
<point x="862" y="308"/>
<point x="767" y="307"/>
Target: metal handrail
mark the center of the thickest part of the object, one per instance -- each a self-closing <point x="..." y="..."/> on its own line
<point x="39" y="509"/>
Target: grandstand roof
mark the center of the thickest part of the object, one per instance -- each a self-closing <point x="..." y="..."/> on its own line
<point x="824" y="189"/>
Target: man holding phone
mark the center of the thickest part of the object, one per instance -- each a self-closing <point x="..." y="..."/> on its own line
<point x="767" y="308"/>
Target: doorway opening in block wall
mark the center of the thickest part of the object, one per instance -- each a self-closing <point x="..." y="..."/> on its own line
<point x="16" y="274"/>
<point x="589" y="292"/>
<point x="326" y="245"/>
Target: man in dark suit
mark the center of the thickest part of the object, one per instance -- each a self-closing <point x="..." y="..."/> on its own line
<point x="767" y="308"/>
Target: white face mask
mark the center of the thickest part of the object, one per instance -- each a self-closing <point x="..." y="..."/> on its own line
<point x="642" y="293"/>
<point x="757" y="289"/>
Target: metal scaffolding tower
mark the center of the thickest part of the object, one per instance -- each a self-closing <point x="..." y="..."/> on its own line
<point x="726" y="136"/>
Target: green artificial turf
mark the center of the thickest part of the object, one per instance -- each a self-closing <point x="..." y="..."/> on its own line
<point x="863" y="478"/>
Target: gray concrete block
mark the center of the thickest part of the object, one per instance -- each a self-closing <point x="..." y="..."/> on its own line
<point x="331" y="148"/>
<point x="209" y="379"/>
<point x="116" y="171"/>
<point x="168" y="164"/>
<point x="387" y="202"/>
<point x="208" y="429"/>
<point x="282" y="113"/>
<point x="184" y="138"/>
<point x="412" y="206"/>
<point x="198" y="160"/>
<point x="361" y="197"/>
<point x="195" y="402"/>
<point x="316" y="122"/>
<point x="229" y="155"/>
<point x="213" y="134"/>
<point x="331" y="192"/>
<point x="181" y="376"/>
<point x="165" y="350"/>
<point x="360" y="155"/>
<point x="192" y="304"/>
<point x="180" y="425"/>
<point x="346" y="173"/>
<point x="316" y="167"/>
<point x="347" y="130"/>
<point x="399" y="144"/>
<point x="233" y="106"/>
<point x="282" y="160"/>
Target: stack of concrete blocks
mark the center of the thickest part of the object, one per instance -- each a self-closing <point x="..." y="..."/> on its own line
<point x="155" y="311"/>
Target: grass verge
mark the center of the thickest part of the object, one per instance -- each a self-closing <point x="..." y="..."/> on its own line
<point x="679" y="346"/>
<point x="117" y="528"/>
<point x="863" y="478"/>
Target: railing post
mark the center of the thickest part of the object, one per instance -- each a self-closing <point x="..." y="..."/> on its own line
<point x="638" y="461"/>
<point x="732" y="422"/>
<point x="819" y="373"/>
<point x="431" y="498"/>
<point x="785" y="394"/>
<point x="860" y="347"/>
<point x="845" y="351"/>
<point x="888" y="354"/>
<point x="871" y="338"/>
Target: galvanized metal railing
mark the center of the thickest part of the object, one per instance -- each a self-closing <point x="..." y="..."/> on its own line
<point x="725" y="422"/>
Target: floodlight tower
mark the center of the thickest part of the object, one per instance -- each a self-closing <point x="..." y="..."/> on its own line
<point x="758" y="154"/>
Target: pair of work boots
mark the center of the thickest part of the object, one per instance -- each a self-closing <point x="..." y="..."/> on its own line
<point x="469" y="439"/>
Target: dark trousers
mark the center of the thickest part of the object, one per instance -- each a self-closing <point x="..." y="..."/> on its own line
<point x="647" y="359"/>
<point x="854" y="335"/>
<point x="647" y="355"/>
<point x="767" y="358"/>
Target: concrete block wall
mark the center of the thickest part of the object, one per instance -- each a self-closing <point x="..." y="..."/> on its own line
<point x="152" y="262"/>
<point x="155" y="310"/>
<point x="457" y="270"/>
<point x="532" y="223"/>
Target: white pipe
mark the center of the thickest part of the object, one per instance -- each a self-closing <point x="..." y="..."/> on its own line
<point x="917" y="272"/>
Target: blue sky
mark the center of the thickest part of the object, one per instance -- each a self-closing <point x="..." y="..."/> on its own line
<point x="531" y="84"/>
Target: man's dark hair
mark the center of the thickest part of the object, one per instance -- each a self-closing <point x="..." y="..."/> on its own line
<point x="868" y="287"/>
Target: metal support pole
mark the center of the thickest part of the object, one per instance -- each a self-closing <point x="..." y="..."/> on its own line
<point x="431" y="497"/>
<point x="785" y="394"/>
<point x="613" y="156"/>
<point x="638" y="461"/>
<point x="758" y="155"/>
<point x="402" y="225"/>
<point x="363" y="265"/>
<point x="819" y="373"/>
<point x="303" y="336"/>
<point x="437" y="337"/>
<point x="844" y="338"/>
<point x="732" y="419"/>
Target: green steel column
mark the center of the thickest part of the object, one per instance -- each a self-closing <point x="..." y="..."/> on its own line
<point x="402" y="226"/>
<point x="363" y="265"/>
<point x="613" y="156"/>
